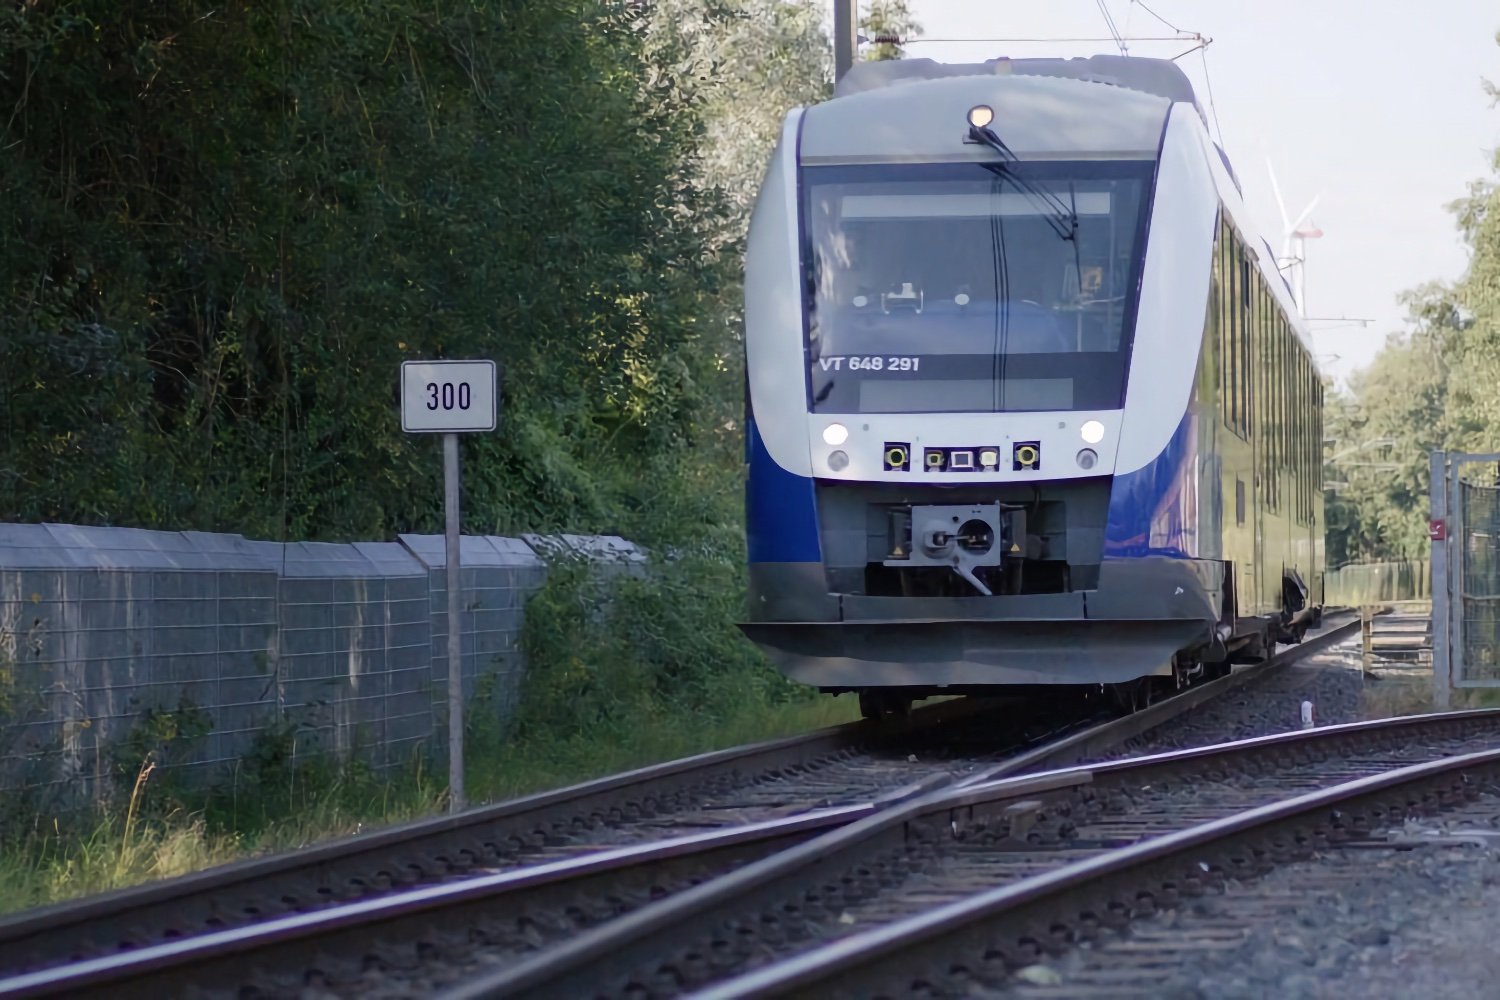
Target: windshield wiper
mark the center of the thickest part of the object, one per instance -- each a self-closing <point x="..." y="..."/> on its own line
<point x="1057" y="213"/>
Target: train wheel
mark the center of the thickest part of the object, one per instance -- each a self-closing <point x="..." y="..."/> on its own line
<point x="879" y="704"/>
<point x="1132" y="696"/>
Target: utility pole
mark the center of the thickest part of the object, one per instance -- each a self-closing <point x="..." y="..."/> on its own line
<point x="845" y="37"/>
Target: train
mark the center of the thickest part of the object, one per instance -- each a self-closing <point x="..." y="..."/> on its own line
<point x="1029" y="404"/>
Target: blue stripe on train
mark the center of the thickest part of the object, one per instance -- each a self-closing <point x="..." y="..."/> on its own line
<point x="781" y="511"/>
<point x="1153" y="511"/>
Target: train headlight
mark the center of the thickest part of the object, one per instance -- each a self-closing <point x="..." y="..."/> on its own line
<point x="1092" y="432"/>
<point x="1088" y="458"/>
<point x="838" y="461"/>
<point x="989" y="458"/>
<point x="835" y="434"/>
<point x="981" y="115"/>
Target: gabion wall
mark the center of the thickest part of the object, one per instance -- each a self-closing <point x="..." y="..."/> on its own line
<point x="112" y="638"/>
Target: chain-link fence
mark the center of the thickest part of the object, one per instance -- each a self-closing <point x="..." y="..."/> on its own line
<point x="1464" y="527"/>
<point x="1479" y="575"/>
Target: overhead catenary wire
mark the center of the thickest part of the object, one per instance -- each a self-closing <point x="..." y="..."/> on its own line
<point x="1121" y="40"/>
<point x="1114" y="31"/>
<point x="1185" y="36"/>
<point x="1209" y="85"/>
<point x="1158" y="17"/>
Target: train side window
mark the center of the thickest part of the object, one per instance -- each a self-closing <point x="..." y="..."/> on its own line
<point x="1284" y="395"/>
<point x="1290" y="380"/>
<point x="1278" y="385"/>
<point x="1254" y="393"/>
<point x="1273" y="396"/>
<point x="1242" y="334"/>
<point x="1231" y="359"/>
<point x="1220" y="328"/>
<point x="1304" y="464"/>
<point x="1314" y="442"/>
<point x="1239" y="501"/>
<point x="1294" y="426"/>
<point x="1273" y="412"/>
<point x="1231" y="317"/>
<point x="1278" y="372"/>
<point x="1318" y="432"/>
<point x="1263" y="408"/>
<point x="1266" y="402"/>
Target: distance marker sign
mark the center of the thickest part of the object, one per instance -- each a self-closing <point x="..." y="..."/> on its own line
<point x="451" y="397"/>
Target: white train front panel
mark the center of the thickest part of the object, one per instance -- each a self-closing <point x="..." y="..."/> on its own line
<point x="984" y="402"/>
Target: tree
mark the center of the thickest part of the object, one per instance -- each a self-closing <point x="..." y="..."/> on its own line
<point x="1381" y="435"/>
<point x="1437" y="387"/>
<point x="889" y="25"/>
<point x="222" y="227"/>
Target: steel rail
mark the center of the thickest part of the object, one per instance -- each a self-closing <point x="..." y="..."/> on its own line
<point x="611" y="952"/>
<point x="1089" y="742"/>
<point x="225" y="960"/>
<point x="53" y="926"/>
<point x="982" y="937"/>
<point x="420" y="852"/>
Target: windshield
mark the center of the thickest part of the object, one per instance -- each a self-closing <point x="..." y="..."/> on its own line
<point x="940" y="288"/>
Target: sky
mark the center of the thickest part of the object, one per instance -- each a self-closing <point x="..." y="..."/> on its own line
<point x="1376" y="107"/>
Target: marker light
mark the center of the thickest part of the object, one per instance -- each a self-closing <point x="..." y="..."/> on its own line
<point x="837" y="434"/>
<point x="1087" y="458"/>
<point x="838" y="461"/>
<point x="1092" y="431"/>
<point x="981" y="115"/>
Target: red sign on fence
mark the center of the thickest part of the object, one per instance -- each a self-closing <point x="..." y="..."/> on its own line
<point x="1437" y="529"/>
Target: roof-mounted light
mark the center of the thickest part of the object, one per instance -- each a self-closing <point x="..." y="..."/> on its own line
<point x="981" y="115"/>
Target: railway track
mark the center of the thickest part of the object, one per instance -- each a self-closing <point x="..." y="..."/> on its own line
<point x="996" y="942"/>
<point x="416" y="941"/>
<point x="844" y="765"/>
<point x="930" y="855"/>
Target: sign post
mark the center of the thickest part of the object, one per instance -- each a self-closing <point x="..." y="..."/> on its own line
<point x="451" y="398"/>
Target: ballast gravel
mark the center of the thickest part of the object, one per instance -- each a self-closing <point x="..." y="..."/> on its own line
<point x="1331" y="681"/>
<point x="1418" y="920"/>
<point x="1361" y="923"/>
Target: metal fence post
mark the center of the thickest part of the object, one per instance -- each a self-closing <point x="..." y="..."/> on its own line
<point x="1442" y="681"/>
<point x="1457" y="532"/>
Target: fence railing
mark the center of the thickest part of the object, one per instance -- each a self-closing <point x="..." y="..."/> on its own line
<point x="1356" y="584"/>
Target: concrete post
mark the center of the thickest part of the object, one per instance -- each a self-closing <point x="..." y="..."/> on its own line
<point x="845" y="37"/>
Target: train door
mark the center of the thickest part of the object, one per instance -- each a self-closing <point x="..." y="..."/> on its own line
<point x="1238" y="451"/>
<point x="1254" y="345"/>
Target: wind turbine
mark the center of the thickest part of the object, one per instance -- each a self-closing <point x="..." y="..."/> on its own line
<point x="1294" y="235"/>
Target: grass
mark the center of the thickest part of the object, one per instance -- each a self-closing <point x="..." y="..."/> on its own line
<point x="621" y="672"/>
<point x="158" y="836"/>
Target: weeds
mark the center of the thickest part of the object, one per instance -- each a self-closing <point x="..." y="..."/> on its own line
<point x="621" y="672"/>
<point x="60" y="861"/>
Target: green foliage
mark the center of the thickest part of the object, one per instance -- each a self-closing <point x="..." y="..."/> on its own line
<point x="607" y="656"/>
<point x="225" y="226"/>
<point x="160" y="737"/>
<point x="1381" y="435"/>
<point x="222" y="227"/>
<point x="888" y="24"/>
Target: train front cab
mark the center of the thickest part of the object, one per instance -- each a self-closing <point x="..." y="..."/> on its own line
<point x="1167" y="551"/>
